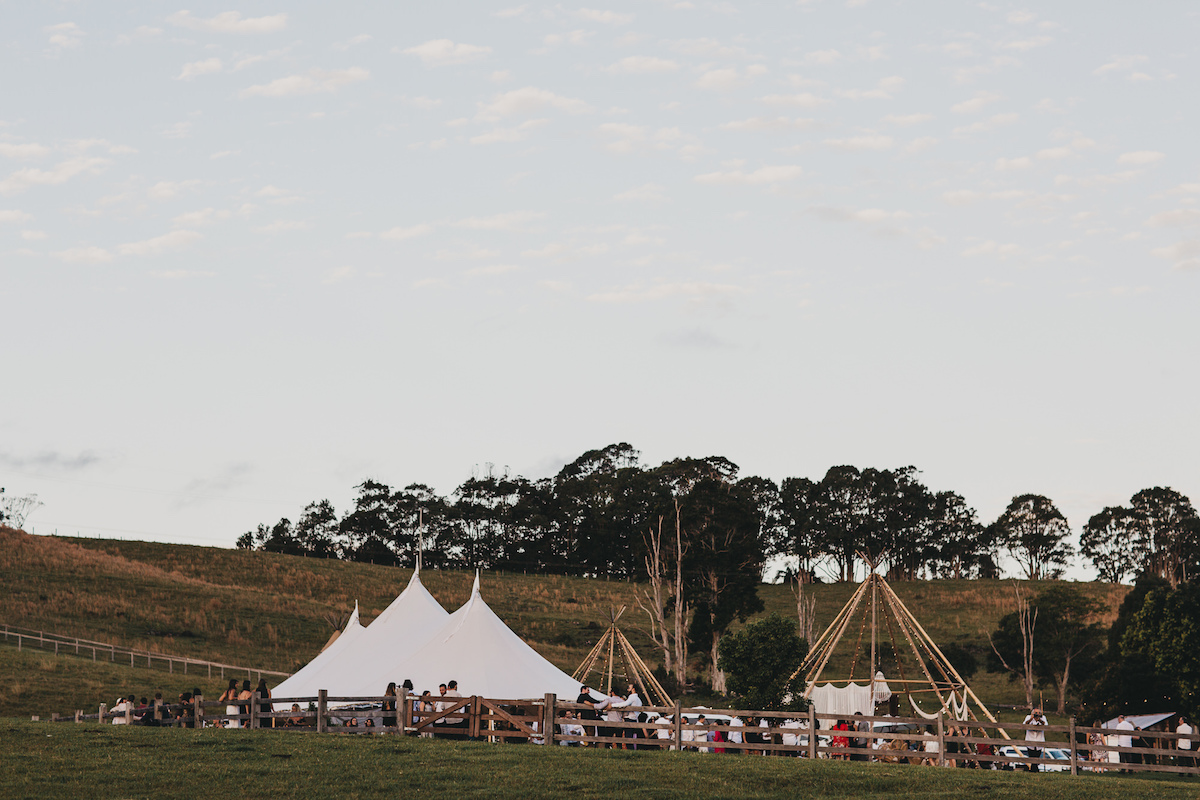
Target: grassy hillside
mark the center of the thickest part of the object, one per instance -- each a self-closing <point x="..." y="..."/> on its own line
<point x="274" y="612"/>
<point x="103" y="761"/>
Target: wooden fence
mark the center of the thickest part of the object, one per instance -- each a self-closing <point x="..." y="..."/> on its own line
<point x="900" y="740"/>
<point x="60" y="644"/>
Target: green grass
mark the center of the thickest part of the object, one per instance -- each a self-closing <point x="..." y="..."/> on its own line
<point x="272" y="611"/>
<point x="104" y="761"/>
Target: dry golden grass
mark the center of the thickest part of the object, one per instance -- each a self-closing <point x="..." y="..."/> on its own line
<point x="270" y="611"/>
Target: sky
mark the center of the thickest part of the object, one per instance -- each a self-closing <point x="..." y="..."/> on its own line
<point x="253" y="253"/>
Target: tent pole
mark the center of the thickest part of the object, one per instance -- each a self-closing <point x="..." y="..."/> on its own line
<point x="814" y="673"/>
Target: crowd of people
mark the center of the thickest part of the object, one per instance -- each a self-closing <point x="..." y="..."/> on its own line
<point x="619" y="720"/>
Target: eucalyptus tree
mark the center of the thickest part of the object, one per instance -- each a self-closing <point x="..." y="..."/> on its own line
<point x="1035" y="534"/>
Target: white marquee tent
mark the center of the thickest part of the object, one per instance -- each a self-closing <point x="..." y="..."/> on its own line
<point x="476" y="648"/>
<point x="354" y="657"/>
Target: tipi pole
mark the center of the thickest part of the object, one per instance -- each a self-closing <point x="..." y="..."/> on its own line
<point x="611" y="638"/>
<point x="586" y="667"/>
<point x="814" y="673"/>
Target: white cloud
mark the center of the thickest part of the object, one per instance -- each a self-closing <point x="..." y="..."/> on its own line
<point x="59" y="174"/>
<point x="139" y="33"/>
<point x="313" y="82"/>
<point x="823" y="57"/>
<point x="642" y="65"/>
<point x="196" y="219"/>
<point x="1185" y="254"/>
<point x="573" y="37"/>
<point x="229" y="22"/>
<point x="625" y="138"/>
<point x="1176" y="218"/>
<point x="1120" y="64"/>
<point x="505" y="13"/>
<point x="976" y="104"/>
<point x="763" y="175"/>
<point x="180" y="274"/>
<point x="165" y="190"/>
<point x="194" y="68"/>
<point x="500" y="76"/>
<point x="728" y="78"/>
<point x="65" y="35"/>
<point x="801" y="100"/>
<point x="23" y="151"/>
<point x="517" y="134"/>
<point x="174" y="240"/>
<point x="646" y="193"/>
<point x="493" y="269"/>
<point x="1021" y="17"/>
<point x="605" y="17"/>
<point x="470" y="251"/>
<point x="353" y="41"/>
<point x="528" y="101"/>
<point x="84" y="255"/>
<point x="1055" y="153"/>
<point x="1005" y="164"/>
<point x="992" y="248"/>
<point x="34" y="236"/>
<point x="339" y="274"/>
<point x="642" y="292"/>
<point x="400" y="234"/>
<point x="444" y="52"/>
<point x="993" y="122"/>
<point x="904" y="120"/>
<point x="961" y="197"/>
<point x="14" y="215"/>
<point x="872" y="141"/>
<point x="765" y="124"/>
<point x="919" y="144"/>
<point x="1032" y="42"/>
<point x="708" y="48"/>
<point x="281" y="226"/>
<point x="508" y="221"/>
<point x="882" y="91"/>
<point x="1141" y="157"/>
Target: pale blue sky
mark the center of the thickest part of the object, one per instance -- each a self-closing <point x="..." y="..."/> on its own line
<point x="254" y="253"/>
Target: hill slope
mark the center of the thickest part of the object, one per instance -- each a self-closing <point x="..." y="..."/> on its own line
<point x="274" y="611"/>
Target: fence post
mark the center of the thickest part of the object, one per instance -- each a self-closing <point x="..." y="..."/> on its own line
<point x="548" y="715"/>
<point x="678" y="726"/>
<point x="54" y="717"/>
<point x="128" y="712"/>
<point x="158" y="715"/>
<point x="941" y="761"/>
<point x="253" y="711"/>
<point x="404" y="707"/>
<point x="103" y="711"/>
<point x="322" y="702"/>
<point x="812" y="731"/>
<point x="78" y="716"/>
<point x="474" y="729"/>
<point x="1074" y="750"/>
<point x="198" y="702"/>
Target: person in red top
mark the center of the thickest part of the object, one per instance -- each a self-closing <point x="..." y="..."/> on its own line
<point x="841" y="741"/>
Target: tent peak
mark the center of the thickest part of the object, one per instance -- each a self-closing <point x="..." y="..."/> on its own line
<point x="475" y="588"/>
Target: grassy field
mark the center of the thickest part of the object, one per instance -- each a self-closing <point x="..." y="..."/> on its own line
<point x="104" y="761"/>
<point x="274" y="612"/>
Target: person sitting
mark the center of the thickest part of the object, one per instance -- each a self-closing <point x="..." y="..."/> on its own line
<point x="570" y="727"/>
<point x="296" y="720"/>
<point x="118" y="711"/>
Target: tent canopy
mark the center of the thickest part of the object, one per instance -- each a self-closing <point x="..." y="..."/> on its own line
<point x="351" y="662"/>
<point x="476" y="648"/>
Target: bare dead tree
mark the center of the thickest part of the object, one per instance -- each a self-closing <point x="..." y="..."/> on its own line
<point x="1026" y="622"/>
<point x="665" y="595"/>
<point x="15" y="509"/>
<point x="806" y="610"/>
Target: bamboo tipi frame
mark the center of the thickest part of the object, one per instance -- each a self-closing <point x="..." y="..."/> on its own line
<point x="876" y="599"/>
<point x="614" y="645"/>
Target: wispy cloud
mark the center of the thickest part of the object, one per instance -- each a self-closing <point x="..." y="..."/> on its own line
<point x="444" y="52"/>
<point x="315" y="81"/>
<point x="229" y="22"/>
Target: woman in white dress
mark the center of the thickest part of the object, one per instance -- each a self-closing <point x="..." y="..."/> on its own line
<point x="229" y="698"/>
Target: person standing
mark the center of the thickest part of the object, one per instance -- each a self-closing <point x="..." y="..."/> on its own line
<point x="229" y="698"/>
<point x="389" y="705"/>
<point x="1125" y="739"/>
<point x="1035" y="739"/>
<point x="1184" y="746"/>
<point x="632" y="703"/>
<point x="264" y="708"/>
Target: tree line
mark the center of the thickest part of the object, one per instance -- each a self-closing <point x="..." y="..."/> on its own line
<point x="697" y="536"/>
<point x="595" y="516"/>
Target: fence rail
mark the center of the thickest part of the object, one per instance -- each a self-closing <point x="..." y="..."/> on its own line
<point x="911" y="740"/>
<point x="63" y="644"/>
